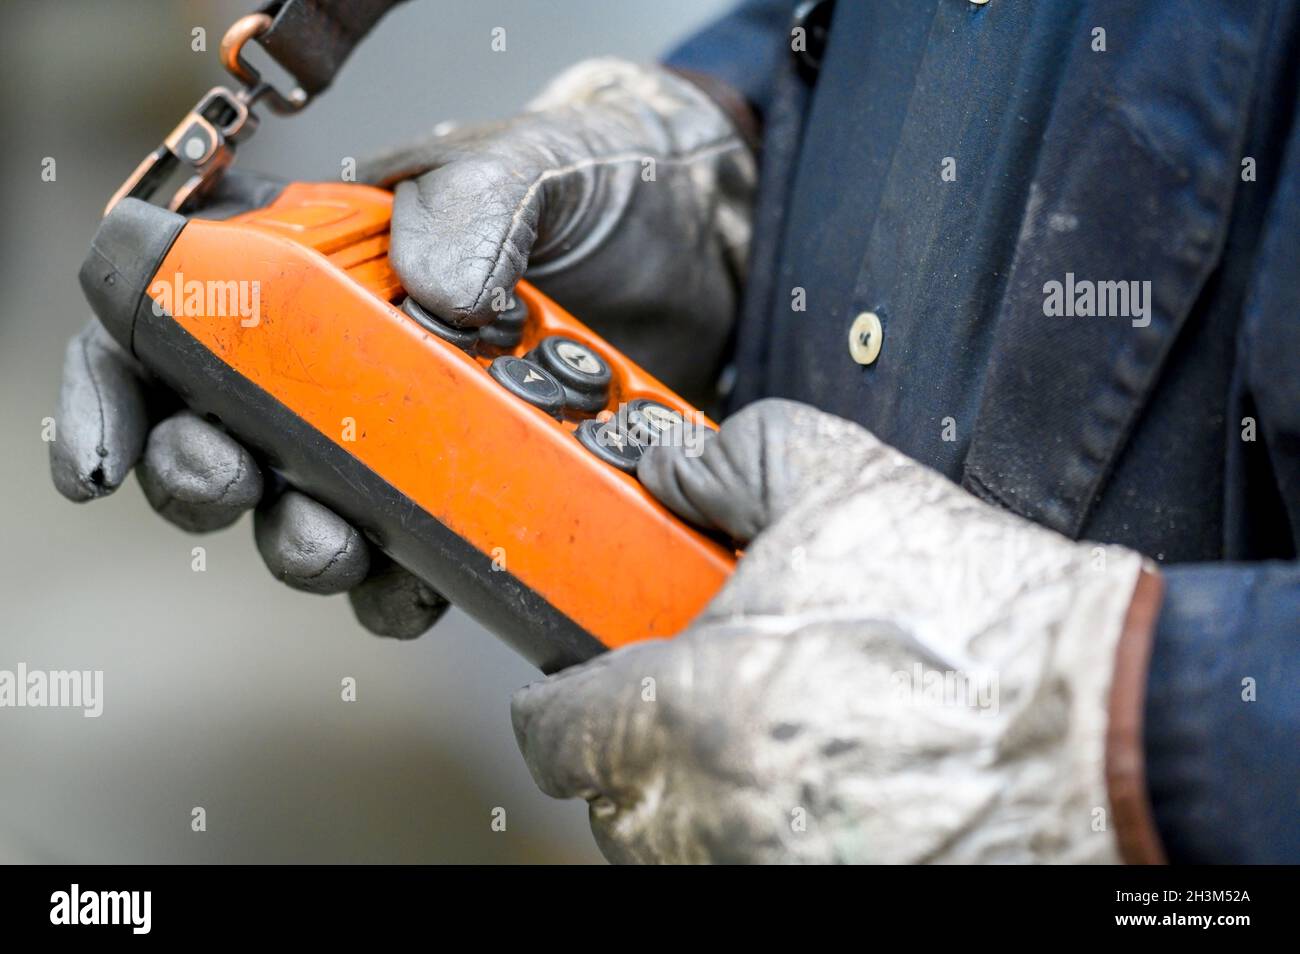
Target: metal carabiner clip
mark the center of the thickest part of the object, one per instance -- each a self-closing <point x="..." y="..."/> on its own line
<point x="232" y="47"/>
<point x="204" y="141"/>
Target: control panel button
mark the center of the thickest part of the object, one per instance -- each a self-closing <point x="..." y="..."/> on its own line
<point x="583" y="372"/>
<point x="494" y="340"/>
<point x="529" y="382"/>
<point x="649" y="421"/>
<point x="506" y="329"/>
<point x="463" y="338"/>
<point x="606" y="441"/>
<point x="514" y="316"/>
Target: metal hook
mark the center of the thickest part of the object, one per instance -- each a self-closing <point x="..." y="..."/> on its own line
<point x="232" y="46"/>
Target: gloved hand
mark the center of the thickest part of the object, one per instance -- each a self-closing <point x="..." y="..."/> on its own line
<point x="648" y="251"/>
<point x="112" y="416"/>
<point x="897" y="671"/>
<point x="625" y="192"/>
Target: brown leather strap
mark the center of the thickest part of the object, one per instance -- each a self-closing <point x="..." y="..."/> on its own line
<point x="730" y="101"/>
<point x="1135" y="829"/>
<point x="312" y="38"/>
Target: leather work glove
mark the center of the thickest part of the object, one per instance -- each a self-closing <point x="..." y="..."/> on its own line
<point x="623" y="190"/>
<point x="897" y="672"/>
<point x="628" y="187"/>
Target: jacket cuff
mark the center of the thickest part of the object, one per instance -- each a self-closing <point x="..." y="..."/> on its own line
<point x="729" y="100"/>
<point x="1135" y="828"/>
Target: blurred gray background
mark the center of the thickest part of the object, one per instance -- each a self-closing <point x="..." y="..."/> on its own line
<point x="222" y="688"/>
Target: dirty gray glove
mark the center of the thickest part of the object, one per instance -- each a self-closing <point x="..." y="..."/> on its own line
<point x="112" y="417"/>
<point x="630" y="190"/>
<point x="624" y="191"/>
<point x="897" y="671"/>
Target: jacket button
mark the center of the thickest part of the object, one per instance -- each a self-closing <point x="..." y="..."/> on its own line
<point x="865" y="336"/>
<point x="808" y="32"/>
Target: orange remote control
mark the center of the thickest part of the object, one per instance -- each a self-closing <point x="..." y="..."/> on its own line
<point x="496" y="465"/>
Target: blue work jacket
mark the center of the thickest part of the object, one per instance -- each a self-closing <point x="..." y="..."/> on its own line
<point x="1077" y="225"/>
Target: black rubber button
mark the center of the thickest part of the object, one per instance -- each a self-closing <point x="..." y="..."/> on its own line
<point x="495" y="339"/>
<point x="463" y="338"/>
<point x="583" y="372"/>
<point x="606" y="441"/>
<point x="648" y="421"/>
<point x="573" y="363"/>
<point x="514" y="317"/>
<point x="506" y="329"/>
<point x="528" y="382"/>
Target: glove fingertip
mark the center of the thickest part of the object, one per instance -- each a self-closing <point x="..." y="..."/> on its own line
<point x="556" y="724"/>
<point x="460" y="262"/>
<point x="197" y="476"/>
<point x="396" y="604"/>
<point x="75" y="481"/>
<point x="524" y="703"/>
<point x="659" y="470"/>
<point x="309" y="547"/>
<point x="101" y="423"/>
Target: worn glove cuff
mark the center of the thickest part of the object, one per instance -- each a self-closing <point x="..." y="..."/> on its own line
<point x="1135" y="829"/>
